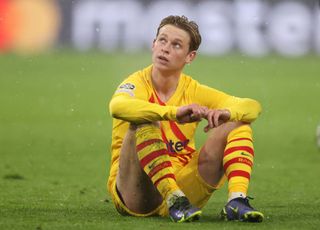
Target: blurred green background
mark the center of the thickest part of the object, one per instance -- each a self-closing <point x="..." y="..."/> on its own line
<point x="55" y="133"/>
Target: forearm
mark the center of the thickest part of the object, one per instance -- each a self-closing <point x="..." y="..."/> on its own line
<point x="243" y="109"/>
<point x="139" y="111"/>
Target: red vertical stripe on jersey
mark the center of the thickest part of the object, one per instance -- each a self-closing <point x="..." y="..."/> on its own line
<point x="177" y="132"/>
<point x="174" y="127"/>
<point x="151" y="99"/>
<point x="164" y="138"/>
<point x="160" y="102"/>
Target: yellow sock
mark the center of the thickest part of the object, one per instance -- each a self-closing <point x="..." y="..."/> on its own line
<point x="155" y="161"/>
<point x="238" y="160"/>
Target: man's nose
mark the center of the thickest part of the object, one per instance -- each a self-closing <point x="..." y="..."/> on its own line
<point x="165" y="48"/>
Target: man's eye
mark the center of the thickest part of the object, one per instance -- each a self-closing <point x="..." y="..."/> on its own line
<point x="177" y="45"/>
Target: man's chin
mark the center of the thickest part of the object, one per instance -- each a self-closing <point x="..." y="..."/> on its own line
<point x="161" y="66"/>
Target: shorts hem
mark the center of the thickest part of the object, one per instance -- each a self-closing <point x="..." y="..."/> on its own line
<point x="124" y="210"/>
<point x="210" y="188"/>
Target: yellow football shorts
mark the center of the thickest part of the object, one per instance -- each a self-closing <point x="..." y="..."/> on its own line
<point x="189" y="181"/>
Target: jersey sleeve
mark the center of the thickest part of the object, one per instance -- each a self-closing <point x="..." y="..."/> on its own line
<point x="241" y="109"/>
<point x="130" y="103"/>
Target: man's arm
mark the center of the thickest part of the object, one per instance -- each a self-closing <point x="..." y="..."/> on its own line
<point x="245" y="110"/>
<point x="242" y="109"/>
<point x="138" y="111"/>
<point x="223" y="107"/>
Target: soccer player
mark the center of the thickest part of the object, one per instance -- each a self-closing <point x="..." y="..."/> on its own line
<point x="155" y="168"/>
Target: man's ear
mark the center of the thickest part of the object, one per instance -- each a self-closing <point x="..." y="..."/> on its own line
<point x="154" y="40"/>
<point x="191" y="56"/>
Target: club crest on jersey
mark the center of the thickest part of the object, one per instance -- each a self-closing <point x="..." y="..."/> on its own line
<point x="126" y="88"/>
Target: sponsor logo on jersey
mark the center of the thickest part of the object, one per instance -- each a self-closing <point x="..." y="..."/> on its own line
<point x="178" y="146"/>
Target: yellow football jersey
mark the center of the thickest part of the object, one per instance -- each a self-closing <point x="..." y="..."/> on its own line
<point x="135" y="100"/>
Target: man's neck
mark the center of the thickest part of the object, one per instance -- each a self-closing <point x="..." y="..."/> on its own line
<point x="165" y="84"/>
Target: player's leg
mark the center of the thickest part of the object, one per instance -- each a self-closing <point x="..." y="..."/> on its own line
<point x="134" y="187"/>
<point x="193" y="185"/>
<point x="145" y="161"/>
<point x="229" y="151"/>
<point x="155" y="161"/>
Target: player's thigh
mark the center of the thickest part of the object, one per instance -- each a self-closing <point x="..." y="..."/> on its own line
<point x="193" y="185"/>
<point x="133" y="187"/>
<point x="211" y="154"/>
<point x="140" y="206"/>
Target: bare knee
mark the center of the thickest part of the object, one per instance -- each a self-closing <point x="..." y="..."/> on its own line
<point x="211" y="156"/>
<point x="217" y="140"/>
<point x="224" y="130"/>
<point x="134" y="187"/>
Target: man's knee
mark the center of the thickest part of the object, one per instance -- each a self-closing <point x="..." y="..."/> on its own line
<point x="211" y="155"/>
<point x="223" y="132"/>
<point x="218" y="138"/>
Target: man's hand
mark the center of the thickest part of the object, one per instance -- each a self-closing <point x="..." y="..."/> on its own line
<point x="216" y="117"/>
<point x="191" y="113"/>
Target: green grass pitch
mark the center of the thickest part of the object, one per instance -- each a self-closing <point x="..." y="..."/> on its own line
<point x="55" y="140"/>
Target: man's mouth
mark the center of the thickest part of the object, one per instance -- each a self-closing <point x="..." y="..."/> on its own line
<point x="163" y="58"/>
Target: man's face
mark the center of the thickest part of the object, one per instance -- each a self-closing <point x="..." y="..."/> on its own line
<point x="170" y="50"/>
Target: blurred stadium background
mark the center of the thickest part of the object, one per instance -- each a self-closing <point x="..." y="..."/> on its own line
<point x="60" y="62"/>
<point x="253" y="27"/>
